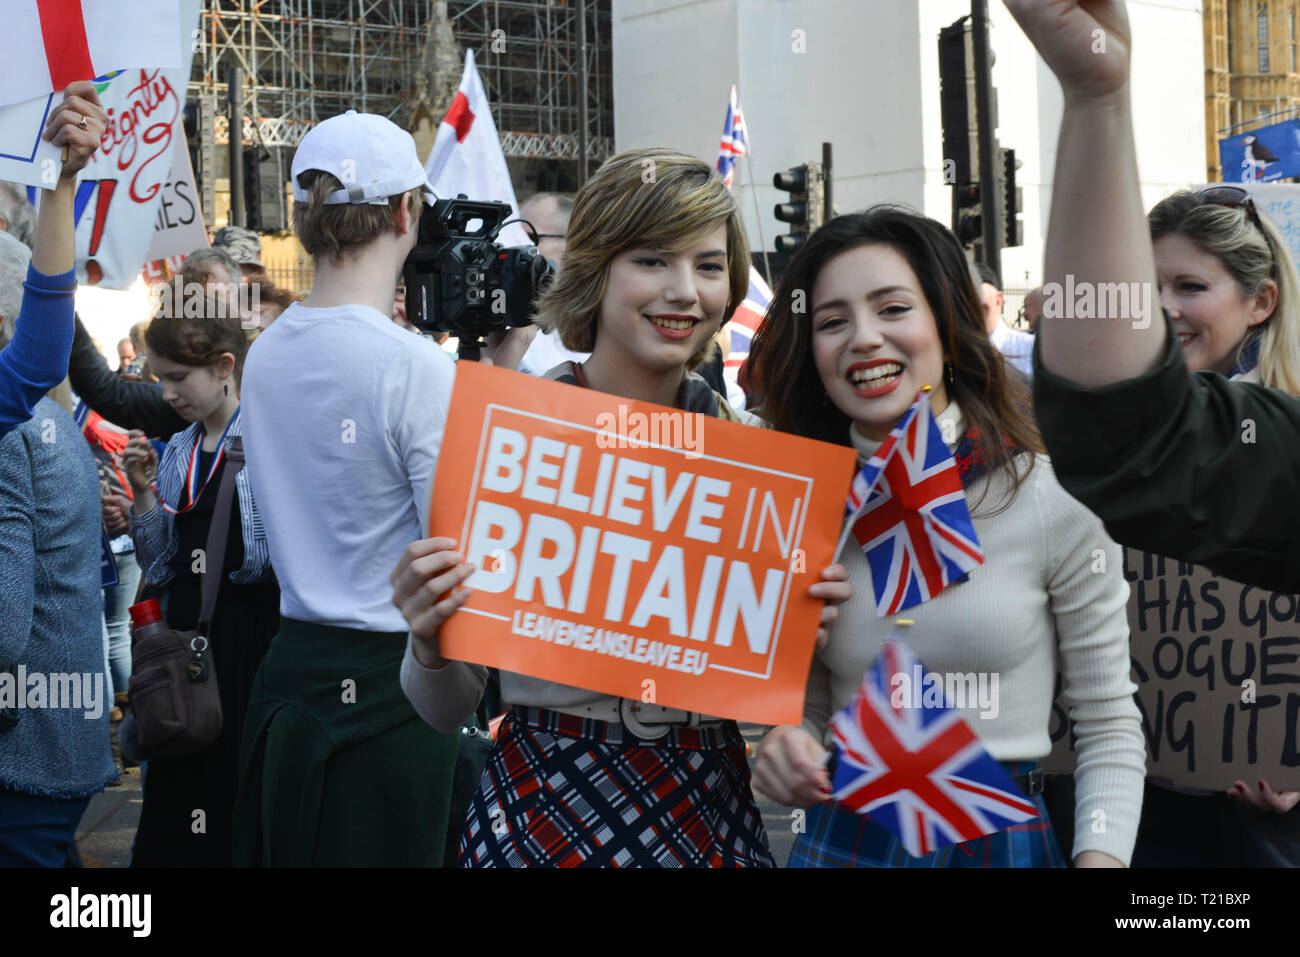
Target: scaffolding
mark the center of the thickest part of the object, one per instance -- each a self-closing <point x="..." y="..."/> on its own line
<point x="527" y="55"/>
<point x="307" y="60"/>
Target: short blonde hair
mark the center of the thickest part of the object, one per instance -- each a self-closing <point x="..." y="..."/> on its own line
<point x="657" y="198"/>
<point x="330" y="231"/>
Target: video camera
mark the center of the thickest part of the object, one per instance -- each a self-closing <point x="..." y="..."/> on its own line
<point x="460" y="281"/>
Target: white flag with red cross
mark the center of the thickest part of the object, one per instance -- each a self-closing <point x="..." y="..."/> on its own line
<point x="467" y="156"/>
<point x="51" y="43"/>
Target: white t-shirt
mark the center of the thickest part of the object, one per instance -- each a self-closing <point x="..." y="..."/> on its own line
<point x="343" y="417"/>
<point x="545" y="353"/>
<point x="1017" y="346"/>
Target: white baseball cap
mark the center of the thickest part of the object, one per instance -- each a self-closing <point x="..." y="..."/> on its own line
<point x="370" y="155"/>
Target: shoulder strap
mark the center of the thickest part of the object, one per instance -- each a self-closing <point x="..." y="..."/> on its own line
<point x="217" y="531"/>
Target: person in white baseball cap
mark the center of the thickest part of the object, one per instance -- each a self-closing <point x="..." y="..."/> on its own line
<point x="372" y="158"/>
<point x="343" y="419"/>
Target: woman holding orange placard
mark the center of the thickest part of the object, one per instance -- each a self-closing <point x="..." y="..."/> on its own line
<point x="656" y="262"/>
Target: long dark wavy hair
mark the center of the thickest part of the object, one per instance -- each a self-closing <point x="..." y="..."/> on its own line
<point x="792" y="397"/>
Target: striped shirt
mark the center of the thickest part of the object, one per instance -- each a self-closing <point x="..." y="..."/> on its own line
<point x="155" y="532"/>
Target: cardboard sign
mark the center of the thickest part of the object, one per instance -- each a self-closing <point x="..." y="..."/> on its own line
<point x="1217" y="665"/>
<point x="633" y="549"/>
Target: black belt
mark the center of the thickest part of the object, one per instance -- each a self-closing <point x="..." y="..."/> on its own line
<point x="1031" y="783"/>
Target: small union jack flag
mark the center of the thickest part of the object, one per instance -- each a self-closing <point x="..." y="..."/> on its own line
<point x="907" y="510"/>
<point x="746" y="320"/>
<point x="918" y="771"/>
<point x="734" y="143"/>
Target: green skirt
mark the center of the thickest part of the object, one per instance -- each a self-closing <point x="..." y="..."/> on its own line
<point x="337" y="769"/>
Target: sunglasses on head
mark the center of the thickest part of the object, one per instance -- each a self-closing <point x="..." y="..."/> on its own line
<point x="1233" y="197"/>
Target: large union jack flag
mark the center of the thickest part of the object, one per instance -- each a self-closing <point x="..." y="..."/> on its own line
<point x="907" y="510"/>
<point x="919" y="771"/>
<point x="734" y="143"/>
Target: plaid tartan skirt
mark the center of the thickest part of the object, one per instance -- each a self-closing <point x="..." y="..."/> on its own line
<point x="839" y="837"/>
<point x="564" y="791"/>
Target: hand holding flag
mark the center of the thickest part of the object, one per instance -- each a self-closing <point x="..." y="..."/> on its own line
<point x="918" y="770"/>
<point x="907" y="510"/>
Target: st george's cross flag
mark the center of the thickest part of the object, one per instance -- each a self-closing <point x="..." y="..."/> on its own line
<point x="734" y="143"/>
<point x="907" y="511"/>
<point x="918" y="770"/>
<point x="467" y="156"/>
<point x="51" y="43"/>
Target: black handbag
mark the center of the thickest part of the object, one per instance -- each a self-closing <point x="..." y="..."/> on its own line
<point x="174" y="695"/>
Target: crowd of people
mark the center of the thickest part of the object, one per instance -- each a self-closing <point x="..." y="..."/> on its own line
<point x="305" y="439"/>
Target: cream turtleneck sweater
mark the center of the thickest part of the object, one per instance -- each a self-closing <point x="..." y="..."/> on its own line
<point x="1050" y="593"/>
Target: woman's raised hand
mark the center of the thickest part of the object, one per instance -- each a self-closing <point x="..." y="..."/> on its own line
<point x="1086" y="42"/>
<point x="79" y="124"/>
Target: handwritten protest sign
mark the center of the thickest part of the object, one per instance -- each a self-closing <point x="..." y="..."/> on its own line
<point x="1217" y="665"/>
<point x="636" y="550"/>
<point x="178" y="228"/>
<point x="122" y="186"/>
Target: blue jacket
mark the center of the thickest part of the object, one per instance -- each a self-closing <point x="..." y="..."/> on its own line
<point x="37" y="358"/>
<point x="50" y="605"/>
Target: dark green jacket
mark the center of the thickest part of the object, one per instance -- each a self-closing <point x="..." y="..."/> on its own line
<point x="337" y="768"/>
<point x="1183" y="464"/>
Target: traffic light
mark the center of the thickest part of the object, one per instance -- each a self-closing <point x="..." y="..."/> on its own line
<point x="264" y="190"/>
<point x="967" y="214"/>
<point x="1013" y="230"/>
<point x="805" y="210"/>
<point x="957" y="108"/>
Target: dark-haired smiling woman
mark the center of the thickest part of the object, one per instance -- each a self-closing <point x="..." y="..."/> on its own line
<point x="198" y="362"/>
<point x="872" y="308"/>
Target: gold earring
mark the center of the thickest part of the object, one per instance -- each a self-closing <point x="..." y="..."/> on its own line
<point x="947" y="371"/>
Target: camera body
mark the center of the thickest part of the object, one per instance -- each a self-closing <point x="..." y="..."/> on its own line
<point x="460" y="281"/>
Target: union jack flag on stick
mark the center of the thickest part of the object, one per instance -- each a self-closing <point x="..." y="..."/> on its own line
<point x="919" y="771"/>
<point x="907" y="511"/>
<point x="733" y="143"/>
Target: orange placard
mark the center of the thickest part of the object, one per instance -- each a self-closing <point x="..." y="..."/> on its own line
<point x="633" y="549"/>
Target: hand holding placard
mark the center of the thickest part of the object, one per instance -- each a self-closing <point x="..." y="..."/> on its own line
<point x="77" y="125"/>
<point x="612" y="560"/>
<point x="426" y="589"/>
